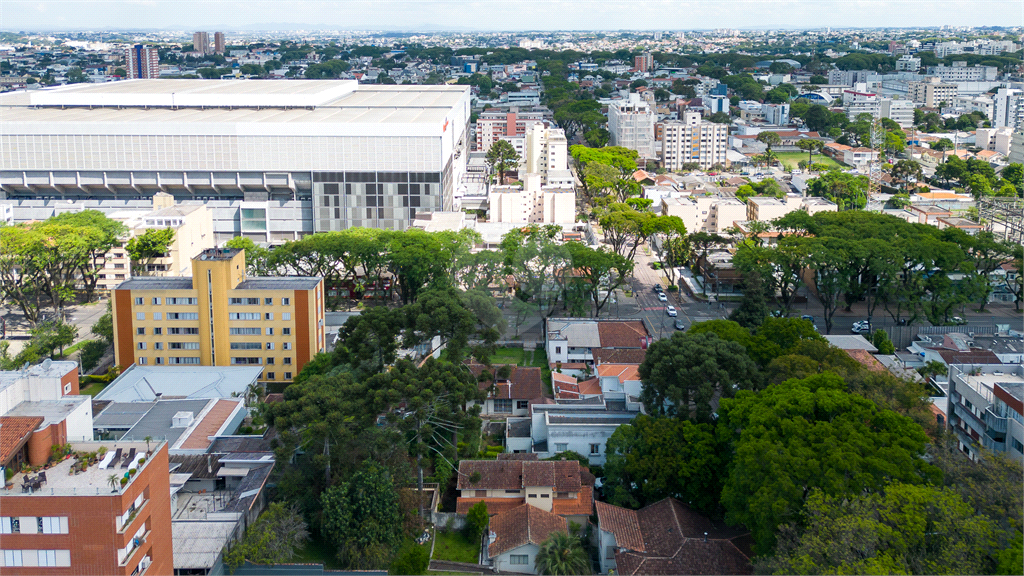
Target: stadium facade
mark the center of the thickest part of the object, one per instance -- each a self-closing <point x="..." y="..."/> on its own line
<point x="273" y="159"/>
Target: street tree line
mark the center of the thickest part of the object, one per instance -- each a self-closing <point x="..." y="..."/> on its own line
<point x="829" y="464"/>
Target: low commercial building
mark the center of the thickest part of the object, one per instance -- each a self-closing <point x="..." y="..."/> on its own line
<point x="987" y="403"/>
<point x="219" y="317"/>
<point x="73" y="519"/>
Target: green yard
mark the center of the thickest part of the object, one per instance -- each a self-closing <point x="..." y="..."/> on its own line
<point x="790" y="159"/>
<point x="455" y="547"/>
<point x="92" y="389"/>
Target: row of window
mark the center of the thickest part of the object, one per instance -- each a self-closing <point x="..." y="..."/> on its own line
<point x="157" y="301"/>
<point x="248" y="360"/>
<point x="37" y="558"/>
<point x="594" y="448"/>
<point x="504" y="405"/>
<point x="171" y="345"/>
<point x="34" y="525"/>
<point x="160" y="360"/>
<point x="159" y="331"/>
<point x="256" y="301"/>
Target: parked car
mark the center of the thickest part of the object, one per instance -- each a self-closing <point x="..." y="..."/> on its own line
<point x="958" y="321"/>
<point x="658" y="288"/>
<point x="680" y="325"/>
<point x="662" y="297"/>
<point x="808" y="318"/>
<point x="671" y="311"/>
<point x="862" y="327"/>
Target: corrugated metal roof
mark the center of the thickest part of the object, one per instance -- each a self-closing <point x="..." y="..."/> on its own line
<point x="198" y="543"/>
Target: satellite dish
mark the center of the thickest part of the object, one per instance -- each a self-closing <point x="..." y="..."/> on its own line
<point x="47" y="363"/>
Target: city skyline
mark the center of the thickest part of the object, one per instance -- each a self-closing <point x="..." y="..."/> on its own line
<point x="502" y="15"/>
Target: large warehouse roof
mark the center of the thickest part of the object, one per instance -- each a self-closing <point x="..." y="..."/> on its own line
<point x="329" y="102"/>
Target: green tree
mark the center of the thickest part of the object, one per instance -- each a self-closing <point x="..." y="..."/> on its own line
<point x="655" y="458"/>
<point x="99" y="234"/>
<point x="361" y="518"/>
<point x="849" y="192"/>
<point x="411" y="559"/>
<point x="257" y="258"/>
<point x="880" y="340"/>
<point x="503" y="158"/>
<point x="811" y="146"/>
<point x="274" y="538"/>
<point x="754" y="306"/>
<point x="144" y="248"/>
<point x="104" y="326"/>
<point x="370" y="341"/>
<point x="92" y="351"/>
<point x="594" y="271"/>
<point x="563" y="554"/>
<point x="597" y="138"/>
<point x="684" y="373"/>
<point x="793" y="437"/>
<point x="903" y="529"/>
<point x="476" y="521"/>
<point x="53" y="334"/>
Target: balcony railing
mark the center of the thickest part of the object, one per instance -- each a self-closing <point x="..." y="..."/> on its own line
<point x="995" y="422"/>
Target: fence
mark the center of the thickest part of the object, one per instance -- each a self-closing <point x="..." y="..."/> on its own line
<point x="441" y="520"/>
<point x="903" y="336"/>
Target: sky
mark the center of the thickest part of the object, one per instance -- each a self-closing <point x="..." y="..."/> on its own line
<point x="501" y="15"/>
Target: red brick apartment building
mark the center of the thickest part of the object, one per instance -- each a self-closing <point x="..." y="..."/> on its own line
<point x="66" y="520"/>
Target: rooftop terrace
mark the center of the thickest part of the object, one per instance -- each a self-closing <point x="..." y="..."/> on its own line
<point x="63" y="480"/>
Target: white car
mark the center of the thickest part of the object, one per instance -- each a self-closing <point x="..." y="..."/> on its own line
<point x="671" y="311"/>
<point x="662" y="297"/>
<point x="861" y="327"/>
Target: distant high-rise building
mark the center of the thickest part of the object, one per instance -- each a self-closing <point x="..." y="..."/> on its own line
<point x="657" y="36"/>
<point x="201" y="42"/>
<point x="644" y="62"/>
<point x="142" y="61"/>
<point x="631" y="125"/>
<point x="218" y="43"/>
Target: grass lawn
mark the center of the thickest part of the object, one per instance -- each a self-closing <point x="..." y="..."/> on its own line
<point x="455" y="547"/>
<point x="790" y="159"/>
<point x="508" y="356"/>
<point x="92" y="389"/>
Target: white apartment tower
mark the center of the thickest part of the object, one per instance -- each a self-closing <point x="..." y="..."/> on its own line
<point x="631" y="124"/>
<point x="547" y="153"/>
<point x="693" y="141"/>
<point x="1008" y="108"/>
<point x="532" y="203"/>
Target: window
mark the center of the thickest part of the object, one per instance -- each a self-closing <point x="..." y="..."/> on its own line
<point x="183" y="316"/>
<point x="287" y="375"/>
<point x="270" y="331"/>
<point x="245" y="331"/>
<point x="561" y="447"/>
<point x="513" y="491"/>
<point x="159" y="360"/>
<point x="287" y="345"/>
<point x="158" y="346"/>
<point x="142" y="345"/>
<point x="184" y="345"/>
<point x="244" y="361"/>
<point x="268" y="301"/>
<point x="268" y="316"/>
<point x="182" y="360"/>
<point x="522" y="404"/>
<point x="180" y="301"/>
<point x="286" y="316"/>
<point x="531" y="495"/>
<point x="243" y="315"/>
<point x="158" y="331"/>
<point x="561" y="495"/>
<point x="141" y="361"/>
<point x="140" y="315"/>
<point x="47" y="557"/>
<point x="610" y="552"/>
<point x="270" y="345"/>
<point x="545" y="495"/>
<point x="270" y="375"/>
<point x="288" y="360"/>
<point x="286" y="332"/>
<point x="286" y="301"/>
<point x="595" y="448"/>
<point x="502" y="405"/>
<point x="558" y="349"/>
<point x="140" y="331"/>
<point x="270" y="360"/>
<point x="480" y="493"/>
<point x="12" y="558"/>
<point x="157" y="316"/>
<point x="1017" y="445"/>
<point x="244" y="301"/>
<point x="245" y="346"/>
<point x="519" y="559"/>
<point x="10" y="525"/>
<point x="176" y="331"/>
<point x="140" y="301"/>
<point x="157" y="300"/>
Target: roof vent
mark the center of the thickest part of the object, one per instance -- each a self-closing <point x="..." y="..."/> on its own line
<point x="182" y="419"/>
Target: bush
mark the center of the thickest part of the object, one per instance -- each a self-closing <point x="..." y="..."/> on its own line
<point x="672" y="288"/>
<point x="91" y="352"/>
<point x="476" y="521"/>
<point x="412" y="559"/>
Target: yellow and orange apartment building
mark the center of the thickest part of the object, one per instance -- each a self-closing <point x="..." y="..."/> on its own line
<point x="219" y="317"/>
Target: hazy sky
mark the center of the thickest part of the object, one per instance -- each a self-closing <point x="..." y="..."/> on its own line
<point x="505" y="14"/>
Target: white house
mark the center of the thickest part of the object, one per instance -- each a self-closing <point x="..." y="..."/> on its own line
<point x="574" y="340"/>
<point x="515" y="537"/>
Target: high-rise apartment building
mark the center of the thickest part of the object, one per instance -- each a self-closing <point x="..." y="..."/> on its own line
<point x="1008" y="108"/>
<point x="142" y="61"/>
<point x="494" y="125"/>
<point x="532" y="203"/>
<point x="690" y="141"/>
<point x="986" y="408"/>
<point x="201" y="42"/>
<point x="644" y="62"/>
<point x="631" y="125"/>
<point x="219" y="317"/>
<point x="547" y="153"/>
<point x="899" y="111"/>
<point x="74" y="519"/>
<point x="932" y="92"/>
<point x="218" y="43"/>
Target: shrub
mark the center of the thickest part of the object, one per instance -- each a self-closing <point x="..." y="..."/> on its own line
<point x="91" y="353"/>
<point x="412" y="559"/>
<point x="476" y="521"/>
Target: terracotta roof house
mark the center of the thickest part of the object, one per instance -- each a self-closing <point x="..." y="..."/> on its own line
<point x="508" y="395"/>
<point x="515" y="537"/>
<point x="15" y="433"/>
<point x="668" y="537"/>
<point x="574" y="340"/>
<point x="621" y="378"/>
<point x="562" y="487"/>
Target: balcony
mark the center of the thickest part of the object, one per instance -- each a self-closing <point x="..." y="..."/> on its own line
<point x="132" y="517"/>
<point x="131" y="553"/>
<point x="995" y="422"/>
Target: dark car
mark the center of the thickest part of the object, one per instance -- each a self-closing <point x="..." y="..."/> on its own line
<point x="656" y="288"/>
<point x="680" y="325"/>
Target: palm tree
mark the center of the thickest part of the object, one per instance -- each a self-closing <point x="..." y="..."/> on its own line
<point x="114" y="480"/>
<point x="563" y="554"/>
<point x="148" y="439"/>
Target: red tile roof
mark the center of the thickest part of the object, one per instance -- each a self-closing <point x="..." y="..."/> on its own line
<point x="629" y="334"/>
<point x="581" y="505"/>
<point x="619" y="356"/>
<point x="524" y="382"/>
<point x="562" y="475"/>
<point x="677" y="540"/>
<point x="199" y="439"/>
<point x="521" y="526"/>
<point x="867" y="359"/>
<point x="14" y="432"/>
<point x="622" y="523"/>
